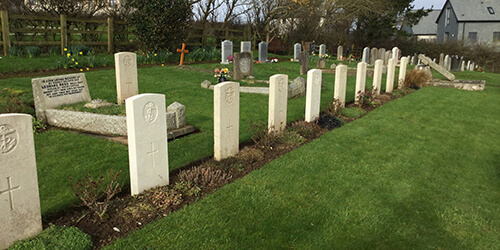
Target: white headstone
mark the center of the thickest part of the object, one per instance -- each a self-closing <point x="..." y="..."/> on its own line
<point x="391" y="68"/>
<point x="278" y="97"/>
<point x="246" y="46"/>
<point x="366" y="55"/>
<point x="340" y="52"/>
<point x="297" y="48"/>
<point x="387" y="56"/>
<point x="126" y="76"/>
<point x="20" y="215"/>
<point x="377" y="76"/>
<point x="322" y="49"/>
<point x="262" y="52"/>
<point x="227" y="50"/>
<point x="226" y="119"/>
<point x="441" y="60"/>
<point x="402" y="71"/>
<point x="147" y="142"/>
<point x="54" y="91"/>
<point x="395" y="54"/>
<point x="381" y="54"/>
<point x="373" y="55"/>
<point x="468" y="65"/>
<point x="447" y="62"/>
<point x="340" y="84"/>
<point x="313" y="94"/>
<point x="360" y="80"/>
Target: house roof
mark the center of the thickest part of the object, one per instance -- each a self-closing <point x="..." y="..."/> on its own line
<point x="427" y="24"/>
<point x="474" y="10"/>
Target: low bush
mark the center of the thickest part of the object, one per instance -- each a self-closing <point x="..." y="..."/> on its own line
<point x="56" y="237"/>
<point x="205" y="176"/>
<point x="33" y="51"/>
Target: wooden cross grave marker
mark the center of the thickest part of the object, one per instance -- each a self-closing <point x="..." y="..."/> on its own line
<point x="182" y="51"/>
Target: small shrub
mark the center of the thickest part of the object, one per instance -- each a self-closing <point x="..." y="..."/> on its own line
<point x="366" y="99"/>
<point x="16" y="51"/>
<point x="187" y="188"/>
<point x="334" y="107"/>
<point x="55" y="50"/>
<point x="308" y="130"/>
<point x="260" y="135"/>
<point x="37" y="125"/>
<point x="96" y="192"/>
<point x="251" y="155"/>
<point x="205" y="176"/>
<point x="165" y="198"/>
<point x="203" y="54"/>
<point x="33" y="51"/>
<point x="56" y="237"/>
<point x="417" y="79"/>
<point x="291" y="138"/>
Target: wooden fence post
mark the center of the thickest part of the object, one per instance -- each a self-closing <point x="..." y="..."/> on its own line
<point x="111" y="37"/>
<point x="64" y="33"/>
<point x="226" y="33"/>
<point x="5" y="32"/>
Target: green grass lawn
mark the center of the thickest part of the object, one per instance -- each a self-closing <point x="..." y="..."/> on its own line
<point x="418" y="172"/>
<point x="61" y="154"/>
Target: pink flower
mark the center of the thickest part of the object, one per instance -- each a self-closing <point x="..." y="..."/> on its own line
<point x="217" y="71"/>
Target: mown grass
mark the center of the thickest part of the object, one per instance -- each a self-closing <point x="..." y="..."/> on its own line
<point x="61" y="154"/>
<point x="418" y="172"/>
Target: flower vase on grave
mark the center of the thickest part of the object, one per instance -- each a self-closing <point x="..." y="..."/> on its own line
<point x="222" y="79"/>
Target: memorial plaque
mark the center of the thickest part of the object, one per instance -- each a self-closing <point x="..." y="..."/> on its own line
<point x="52" y="92"/>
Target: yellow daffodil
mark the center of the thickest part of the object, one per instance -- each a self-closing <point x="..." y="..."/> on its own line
<point x="81" y="69"/>
<point x="81" y="53"/>
<point x="88" y="69"/>
<point x="155" y="54"/>
<point x="65" y="49"/>
<point x="68" y="54"/>
<point x="73" y="59"/>
<point x="76" y="63"/>
<point x="162" y="64"/>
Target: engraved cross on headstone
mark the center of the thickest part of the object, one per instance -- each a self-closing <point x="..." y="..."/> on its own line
<point x="9" y="190"/>
<point x="229" y="127"/>
<point x="152" y="153"/>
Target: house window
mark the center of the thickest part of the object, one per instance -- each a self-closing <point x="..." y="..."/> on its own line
<point x="112" y="2"/>
<point x="448" y="16"/>
<point x="446" y="37"/>
<point x="491" y="11"/>
<point x="472" y="36"/>
<point x="496" y="37"/>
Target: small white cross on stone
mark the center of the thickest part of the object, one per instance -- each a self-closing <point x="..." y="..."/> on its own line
<point x="152" y="153"/>
<point x="9" y="190"/>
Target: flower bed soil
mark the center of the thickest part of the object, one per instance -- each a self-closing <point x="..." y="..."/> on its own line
<point x="129" y="213"/>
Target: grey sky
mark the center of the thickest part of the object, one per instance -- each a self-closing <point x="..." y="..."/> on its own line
<point x="438" y="4"/>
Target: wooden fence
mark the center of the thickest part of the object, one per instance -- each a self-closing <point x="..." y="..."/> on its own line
<point x="43" y="31"/>
<point x="25" y="30"/>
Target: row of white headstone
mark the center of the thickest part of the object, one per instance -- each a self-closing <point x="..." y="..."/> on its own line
<point x="245" y="46"/>
<point x="227" y="108"/>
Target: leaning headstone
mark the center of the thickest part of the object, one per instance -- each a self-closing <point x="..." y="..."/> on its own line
<point x="147" y="142"/>
<point x="360" y="80"/>
<point x="441" y="59"/>
<point x="226" y="119"/>
<point x="126" y="76"/>
<point x="366" y="55"/>
<point x="242" y="65"/>
<point x="340" y="53"/>
<point x="304" y="62"/>
<point x="322" y="50"/>
<point x="414" y="60"/>
<point x="246" y="46"/>
<point x="262" y="52"/>
<point x="54" y="91"/>
<point x="373" y="55"/>
<point x="297" y="48"/>
<point x="377" y="77"/>
<point x="20" y="215"/>
<point x="402" y="72"/>
<point x="441" y="70"/>
<point x="227" y="50"/>
<point x="340" y="85"/>
<point x="391" y="67"/>
<point x="278" y="97"/>
<point x="313" y="95"/>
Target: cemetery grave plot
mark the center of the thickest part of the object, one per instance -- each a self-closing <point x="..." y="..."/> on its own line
<point x="132" y="213"/>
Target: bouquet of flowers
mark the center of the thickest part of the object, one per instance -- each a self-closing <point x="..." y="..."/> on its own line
<point x="223" y="72"/>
